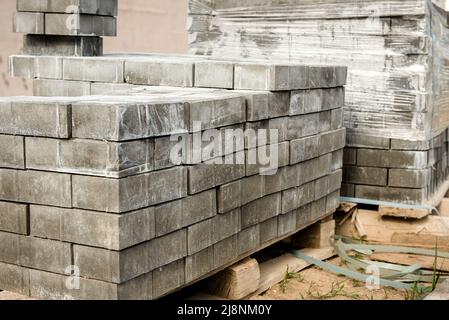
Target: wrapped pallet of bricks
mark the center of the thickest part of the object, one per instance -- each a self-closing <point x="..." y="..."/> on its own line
<point x="397" y="105"/>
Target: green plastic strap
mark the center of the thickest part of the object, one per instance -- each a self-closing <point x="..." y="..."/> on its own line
<point x="349" y="273"/>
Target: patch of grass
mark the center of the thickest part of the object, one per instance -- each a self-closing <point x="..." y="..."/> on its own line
<point x="337" y="290"/>
<point x="289" y="276"/>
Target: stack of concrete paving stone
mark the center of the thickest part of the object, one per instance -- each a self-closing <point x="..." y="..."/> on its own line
<point x="90" y="181"/>
<point x="397" y="107"/>
<point x="65" y="27"/>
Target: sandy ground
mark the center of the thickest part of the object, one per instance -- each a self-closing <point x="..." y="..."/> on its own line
<point x="316" y="284"/>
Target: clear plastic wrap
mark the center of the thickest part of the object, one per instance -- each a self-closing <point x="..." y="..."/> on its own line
<point x="397" y="53"/>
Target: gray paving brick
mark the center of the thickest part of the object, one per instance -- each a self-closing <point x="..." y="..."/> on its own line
<point x="60" y="88"/>
<point x="214" y="75"/>
<point x="159" y="73"/>
<point x="268" y="230"/>
<point x="248" y="239"/>
<point x="93" y="69"/>
<point x="199" y="264"/>
<point x="226" y="225"/>
<point x="408" y="178"/>
<point x="49" y="118"/>
<point x="366" y="175"/>
<point x="73" y="24"/>
<point x="225" y="251"/>
<point x="62" y="45"/>
<point x="168" y="278"/>
<point x="287" y="223"/>
<point x="14" y="279"/>
<point x="12" y="152"/>
<point x="199" y="236"/>
<point x="131" y="193"/>
<point x="178" y="214"/>
<point x="90" y="157"/>
<point x="261" y="210"/>
<point x="29" y="22"/>
<point x="392" y="159"/>
<point x="304" y="216"/>
<point x="364" y="141"/>
<point x="404" y="195"/>
<point x="115" y="232"/>
<point x="14" y="217"/>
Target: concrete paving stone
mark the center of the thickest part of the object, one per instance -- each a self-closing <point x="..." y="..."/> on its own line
<point x="90" y="157"/>
<point x="225" y="251"/>
<point x="332" y="202"/>
<point x="111" y="266"/>
<point x="73" y="24"/>
<point x="322" y="77"/>
<point x="283" y="126"/>
<point x="10" y="248"/>
<point x="312" y="124"/>
<point x="40" y="45"/>
<point x="398" y="144"/>
<point x="404" y="195"/>
<point x="318" y="209"/>
<point x="306" y="101"/>
<point x="331" y="141"/>
<point x="168" y="248"/>
<point x="295" y="128"/>
<point x="214" y="75"/>
<point x="279" y="104"/>
<point x="364" y="141"/>
<point x="321" y="187"/>
<point x="199" y="236"/>
<point x="109" y="231"/>
<point x="350" y="156"/>
<point x="60" y="88"/>
<point x="29" y="22"/>
<point x="50" y="286"/>
<point x="252" y="141"/>
<point x="48" y="67"/>
<point x="130" y="193"/>
<point x="49" y="117"/>
<point x="14" y="278"/>
<point x="305" y="149"/>
<point x="283" y="158"/>
<point x="348" y="189"/>
<point x="392" y="159"/>
<point x="253" y="188"/>
<point x="268" y="230"/>
<point x="168" y="278"/>
<point x="206" y="176"/>
<point x="98" y="7"/>
<point x="102" y="88"/>
<point x="14" y="217"/>
<point x="285" y="178"/>
<point x="304" y="216"/>
<point x="159" y="73"/>
<point x="313" y="169"/>
<point x="337" y="119"/>
<point x="269" y="77"/>
<point x="226" y="225"/>
<point x="335" y="179"/>
<point x="36" y="187"/>
<point x="298" y="197"/>
<point x="325" y="119"/>
<point x="174" y="215"/>
<point x="93" y="69"/>
<point x="218" y="113"/>
<point x="337" y="160"/>
<point x="248" y="239"/>
<point x="366" y="175"/>
<point x="120" y="119"/>
<point x="21" y="66"/>
<point x="408" y="178"/>
<point x="12" y="152"/>
<point x="257" y="104"/>
<point x="199" y="264"/>
<point x="43" y="254"/>
<point x="261" y="210"/>
<point x="229" y="196"/>
<point x="287" y="223"/>
<point x="333" y="98"/>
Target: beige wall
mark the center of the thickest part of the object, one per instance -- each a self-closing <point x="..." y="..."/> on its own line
<point x="143" y="26"/>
